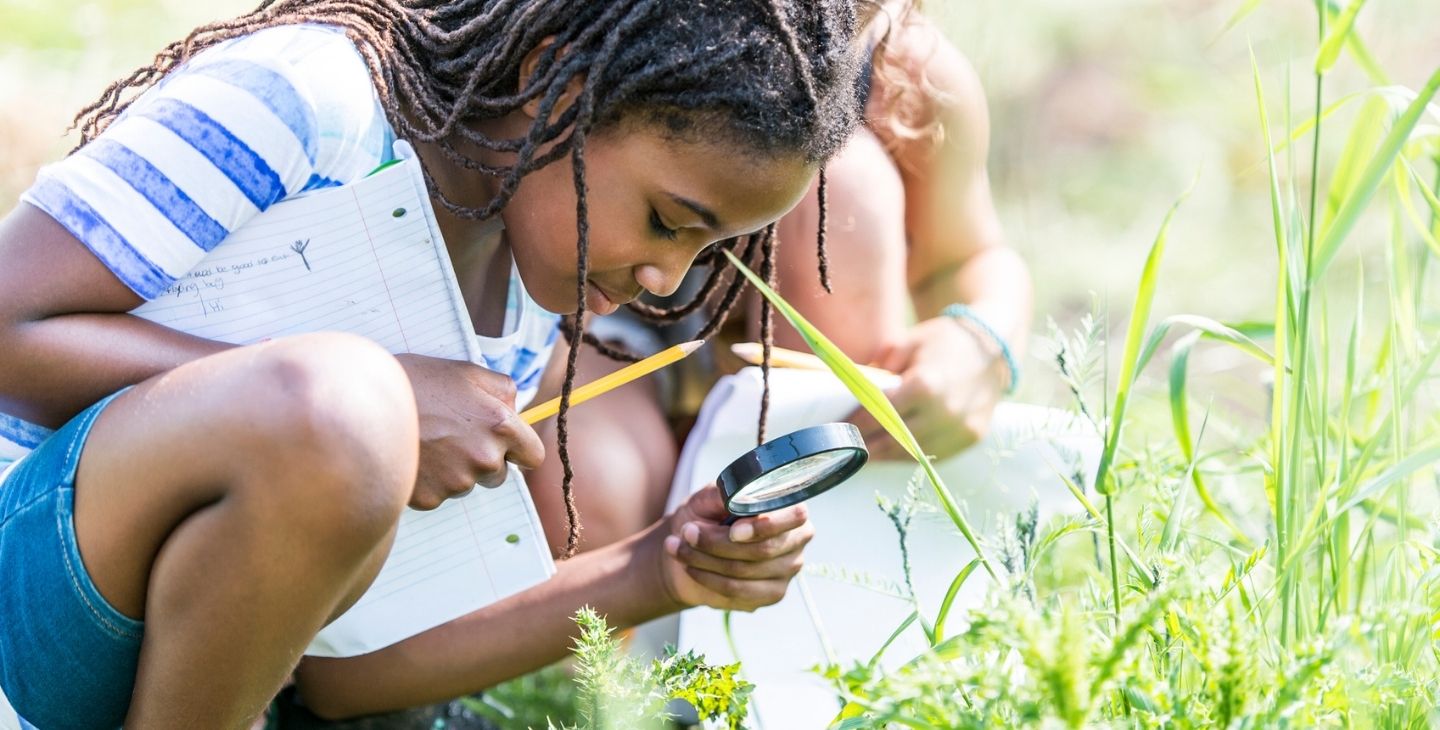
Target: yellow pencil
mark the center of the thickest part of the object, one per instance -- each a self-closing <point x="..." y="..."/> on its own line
<point x="780" y="357"/>
<point x="612" y="381"/>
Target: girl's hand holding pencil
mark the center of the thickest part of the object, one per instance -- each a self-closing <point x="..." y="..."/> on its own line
<point x="469" y="430"/>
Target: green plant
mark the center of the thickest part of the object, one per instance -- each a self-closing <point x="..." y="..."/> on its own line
<point x="615" y="691"/>
<point x="1301" y="585"/>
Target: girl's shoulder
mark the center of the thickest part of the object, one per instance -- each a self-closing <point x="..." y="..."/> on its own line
<point x="307" y="50"/>
<point x="318" y="82"/>
<point x="927" y="93"/>
<point x="237" y="128"/>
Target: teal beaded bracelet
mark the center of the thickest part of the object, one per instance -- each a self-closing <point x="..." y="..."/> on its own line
<point x="959" y="311"/>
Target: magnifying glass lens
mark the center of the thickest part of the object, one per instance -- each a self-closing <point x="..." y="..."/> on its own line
<point x="791" y="477"/>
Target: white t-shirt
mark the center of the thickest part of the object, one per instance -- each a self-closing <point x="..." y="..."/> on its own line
<point x="240" y="127"/>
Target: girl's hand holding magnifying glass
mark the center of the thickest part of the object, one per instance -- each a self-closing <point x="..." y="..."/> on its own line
<point x="741" y="566"/>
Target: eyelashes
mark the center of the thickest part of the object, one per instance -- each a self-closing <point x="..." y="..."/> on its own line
<point x="659" y="228"/>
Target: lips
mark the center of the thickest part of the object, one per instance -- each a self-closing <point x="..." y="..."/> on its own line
<point x="600" y="301"/>
<point x="604" y="300"/>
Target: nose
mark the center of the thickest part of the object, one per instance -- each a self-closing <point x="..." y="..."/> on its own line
<point x="663" y="278"/>
<point x="656" y="280"/>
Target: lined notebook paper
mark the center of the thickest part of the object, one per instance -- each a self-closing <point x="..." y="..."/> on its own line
<point x="367" y="258"/>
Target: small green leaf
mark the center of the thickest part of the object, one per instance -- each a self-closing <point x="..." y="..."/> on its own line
<point x="1369" y="181"/>
<point x="1338" y="35"/>
<point x="1139" y="318"/>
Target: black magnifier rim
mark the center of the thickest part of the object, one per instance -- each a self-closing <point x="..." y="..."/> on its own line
<point x="783" y="450"/>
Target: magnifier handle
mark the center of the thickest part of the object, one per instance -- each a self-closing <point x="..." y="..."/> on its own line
<point x="730" y="520"/>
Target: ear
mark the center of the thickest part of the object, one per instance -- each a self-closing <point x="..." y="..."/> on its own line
<point x="528" y="67"/>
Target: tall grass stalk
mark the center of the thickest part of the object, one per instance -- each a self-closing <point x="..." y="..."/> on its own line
<point x="1323" y="609"/>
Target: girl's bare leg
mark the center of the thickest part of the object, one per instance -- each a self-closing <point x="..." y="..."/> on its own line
<point x="238" y="503"/>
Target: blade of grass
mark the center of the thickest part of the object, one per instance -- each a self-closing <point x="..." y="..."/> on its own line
<point x="1380" y="162"/>
<point x="1372" y="68"/>
<point x="1206" y="326"/>
<point x="1180" y="419"/>
<point x="875" y="659"/>
<point x="1279" y="470"/>
<point x="872" y="399"/>
<point x="1397" y="472"/>
<point x="1338" y="36"/>
<point x="1402" y="192"/>
<point x="1079" y="494"/>
<point x="950" y="595"/>
<point x="1139" y="318"/>
<point x="1240" y="14"/>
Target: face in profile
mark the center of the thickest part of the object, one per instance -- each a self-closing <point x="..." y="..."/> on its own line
<point x="654" y="203"/>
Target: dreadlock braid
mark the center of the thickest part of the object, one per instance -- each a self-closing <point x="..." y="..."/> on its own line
<point x="820" y="194"/>
<point x="771" y="76"/>
<point x="767" y="331"/>
<point x="572" y="516"/>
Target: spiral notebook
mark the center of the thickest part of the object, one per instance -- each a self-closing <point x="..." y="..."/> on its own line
<point x="368" y="258"/>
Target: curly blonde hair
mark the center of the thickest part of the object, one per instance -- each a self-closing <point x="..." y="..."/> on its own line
<point x="905" y="93"/>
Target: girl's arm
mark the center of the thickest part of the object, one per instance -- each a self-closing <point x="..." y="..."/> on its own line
<point x="651" y="574"/>
<point x="957" y="247"/>
<point x="954" y="371"/>
<point x="520" y="634"/>
<point x="65" y="340"/>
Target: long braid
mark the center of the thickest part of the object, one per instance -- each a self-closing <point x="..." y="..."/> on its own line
<point x="584" y="105"/>
<point x="767" y="331"/>
<point x="562" y="421"/>
<point x="729" y="71"/>
<point x="822" y="199"/>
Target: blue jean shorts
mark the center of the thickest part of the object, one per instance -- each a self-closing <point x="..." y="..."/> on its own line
<point x="67" y="657"/>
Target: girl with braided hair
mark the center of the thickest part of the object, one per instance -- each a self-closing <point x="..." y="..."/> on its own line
<point x="179" y="517"/>
<point x="912" y="228"/>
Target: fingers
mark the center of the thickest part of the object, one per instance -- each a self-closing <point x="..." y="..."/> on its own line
<point x="523" y="446"/>
<point x="878" y="441"/>
<point x="884" y="447"/>
<point x="916" y="399"/>
<point x="894" y="357"/>
<point x="764" y="543"/>
<point x="747" y="573"/>
<point x="497" y="385"/>
<point x="707" y="504"/>
<point x="739" y="594"/>
<point x="783" y="567"/>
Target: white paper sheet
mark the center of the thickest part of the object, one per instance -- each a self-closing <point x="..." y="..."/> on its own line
<point x="367" y="258"/>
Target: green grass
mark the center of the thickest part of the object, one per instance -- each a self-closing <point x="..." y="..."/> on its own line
<point x="1326" y="611"/>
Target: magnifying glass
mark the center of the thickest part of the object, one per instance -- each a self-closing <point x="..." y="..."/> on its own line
<point x="791" y="469"/>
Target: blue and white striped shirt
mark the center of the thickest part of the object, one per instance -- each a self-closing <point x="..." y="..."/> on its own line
<point x="240" y="127"/>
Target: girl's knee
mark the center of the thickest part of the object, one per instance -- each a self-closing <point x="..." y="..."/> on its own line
<point x="333" y="417"/>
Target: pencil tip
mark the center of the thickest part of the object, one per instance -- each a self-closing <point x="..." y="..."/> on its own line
<point x="691" y="346"/>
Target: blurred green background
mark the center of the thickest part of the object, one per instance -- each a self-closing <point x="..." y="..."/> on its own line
<point x="1102" y="112"/>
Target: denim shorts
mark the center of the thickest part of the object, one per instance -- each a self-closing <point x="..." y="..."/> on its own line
<point x="67" y="657"/>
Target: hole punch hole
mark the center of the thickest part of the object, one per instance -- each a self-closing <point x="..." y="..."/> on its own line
<point x="398" y="212"/>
